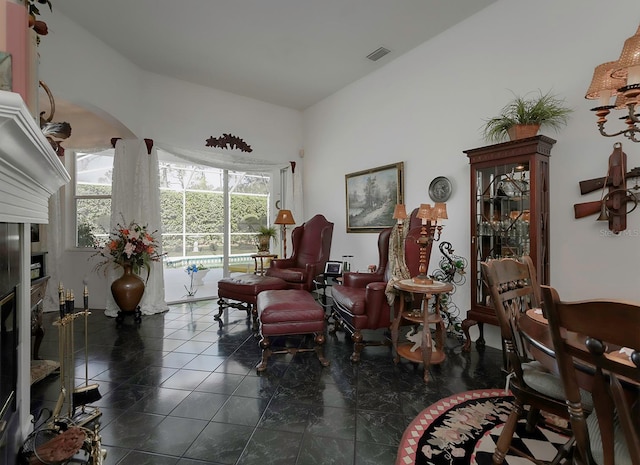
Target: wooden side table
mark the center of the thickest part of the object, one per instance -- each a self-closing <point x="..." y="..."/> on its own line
<point x="424" y="354"/>
<point x="258" y="260"/>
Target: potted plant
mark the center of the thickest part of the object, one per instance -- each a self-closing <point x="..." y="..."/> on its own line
<point x="524" y="116"/>
<point x="264" y="236"/>
<point x="133" y="248"/>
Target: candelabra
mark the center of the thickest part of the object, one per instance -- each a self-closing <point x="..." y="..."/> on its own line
<point x="430" y="231"/>
<point x="620" y="79"/>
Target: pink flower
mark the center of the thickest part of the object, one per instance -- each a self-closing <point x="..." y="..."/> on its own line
<point x="129" y="249"/>
<point x="132" y="245"/>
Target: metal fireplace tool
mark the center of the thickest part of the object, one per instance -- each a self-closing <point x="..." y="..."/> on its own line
<point x="77" y="398"/>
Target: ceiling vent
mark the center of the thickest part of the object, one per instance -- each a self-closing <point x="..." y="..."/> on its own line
<point x="377" y="54"/>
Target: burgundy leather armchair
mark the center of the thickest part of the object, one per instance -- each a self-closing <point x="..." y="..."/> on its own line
<point x="311" y="247"/>
<point x="360" y="303"/>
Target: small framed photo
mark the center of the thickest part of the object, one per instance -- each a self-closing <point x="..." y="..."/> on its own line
<point x="333" y="268"/>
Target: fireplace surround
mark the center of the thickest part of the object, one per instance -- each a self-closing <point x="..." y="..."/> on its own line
<point x="30" y="172"/>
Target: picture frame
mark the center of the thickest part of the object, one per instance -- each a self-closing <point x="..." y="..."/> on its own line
<point x="371" y="196"/>
<point x="333" y="268"/>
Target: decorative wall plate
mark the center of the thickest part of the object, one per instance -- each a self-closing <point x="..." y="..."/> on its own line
<point x="440" y="189"/>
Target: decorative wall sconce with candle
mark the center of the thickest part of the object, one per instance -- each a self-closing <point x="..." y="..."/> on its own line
<point x="284" y="218"/>
<point x="620" y="79"/>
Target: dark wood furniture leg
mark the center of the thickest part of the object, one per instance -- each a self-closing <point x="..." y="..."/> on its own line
<point x="480" y="342"/>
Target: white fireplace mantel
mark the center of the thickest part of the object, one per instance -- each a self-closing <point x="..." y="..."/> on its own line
<point x="30" y="171"/>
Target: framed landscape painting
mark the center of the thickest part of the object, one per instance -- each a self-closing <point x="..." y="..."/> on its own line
<point x="371" y="197"/>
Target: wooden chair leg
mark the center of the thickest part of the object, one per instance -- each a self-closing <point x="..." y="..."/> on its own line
<point x="265" y="345"/>
<point x="358" y="345"/>
<point x="504" y="441"/>
<point x="533" y="417"/>
<point x="320" y="340"/>
<point x="254" y="315"/>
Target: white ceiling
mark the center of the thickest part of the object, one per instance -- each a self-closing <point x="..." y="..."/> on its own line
<point x="291" y="53"/>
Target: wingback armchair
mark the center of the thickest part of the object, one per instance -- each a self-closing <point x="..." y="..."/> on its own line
<point x="311" y="248"/>
<point x="360" y="303"/>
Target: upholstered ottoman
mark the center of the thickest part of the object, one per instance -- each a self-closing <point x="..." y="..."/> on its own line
<point x="244" y="289"/>
<point x="289" y="312"/>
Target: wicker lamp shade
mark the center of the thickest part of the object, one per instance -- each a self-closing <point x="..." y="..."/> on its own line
<point x="619" y="78"/>
<point x="400" y="212"/>
<point x="629" y="58"/>
<point x="440" y="211"/>
<point x="603" y="86"/>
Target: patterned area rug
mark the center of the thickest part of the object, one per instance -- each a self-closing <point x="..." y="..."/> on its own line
<point x="463" y="430"/>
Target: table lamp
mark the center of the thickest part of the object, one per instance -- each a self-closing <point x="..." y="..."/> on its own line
<point x="284" y="218"/>
<point x="434" y="215"/>
<point x="400" y="214"/>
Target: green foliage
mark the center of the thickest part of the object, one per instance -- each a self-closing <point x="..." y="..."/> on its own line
<point x="547" y="110"/>
<point x="269" y="231"/>
<point x="202" y="220"/>
<point x="86" y="238"/>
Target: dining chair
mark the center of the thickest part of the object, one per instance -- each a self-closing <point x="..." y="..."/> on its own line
<point x="514" y="289"/>
<point x="603" y="335"/>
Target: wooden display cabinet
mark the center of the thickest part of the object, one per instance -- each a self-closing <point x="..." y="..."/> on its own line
<point x="509" y="216"/>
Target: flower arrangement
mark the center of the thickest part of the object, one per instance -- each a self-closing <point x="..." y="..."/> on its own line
<point x="191" y="271"/>
<point x="130" y="245"/>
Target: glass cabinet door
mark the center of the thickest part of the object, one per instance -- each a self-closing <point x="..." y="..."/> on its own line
<point x="502" y="213"/>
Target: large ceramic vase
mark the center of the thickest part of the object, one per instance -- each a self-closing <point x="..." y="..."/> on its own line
<point x="127" y="290"/>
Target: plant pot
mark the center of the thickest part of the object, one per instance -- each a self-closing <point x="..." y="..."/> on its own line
<point x="127" y="290"/>
<point x="198" y="277"/>
<point x="264" y="243"/>
<point x="522" y="131"/>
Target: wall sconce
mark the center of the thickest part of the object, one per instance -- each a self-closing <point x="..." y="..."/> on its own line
<point x="434" y="215"/>
<point x="284" y="218"/>
<point x="621" y="79"/>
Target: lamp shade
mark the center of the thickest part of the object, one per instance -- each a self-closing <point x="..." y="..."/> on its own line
<point x="603" y="85"/>
<point x="284" y="217"/>
<point x="424" y="212"/>
<point x="400" y="212"/>
<point x="440" y="211"/>
<point x="629" y="60"/>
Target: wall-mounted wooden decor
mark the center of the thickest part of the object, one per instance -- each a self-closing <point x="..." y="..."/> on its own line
<point x="228" y="141"/>
<point x="618" y="201"/>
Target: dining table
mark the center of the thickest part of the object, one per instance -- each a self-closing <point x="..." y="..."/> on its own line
<point x="534" y="328"/>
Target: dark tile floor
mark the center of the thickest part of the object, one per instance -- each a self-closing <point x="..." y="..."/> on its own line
<point x="182" y="390"/>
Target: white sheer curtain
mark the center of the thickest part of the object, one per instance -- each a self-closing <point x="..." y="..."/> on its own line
<point x="292" y="194"/>
<point x="135" y="196"/>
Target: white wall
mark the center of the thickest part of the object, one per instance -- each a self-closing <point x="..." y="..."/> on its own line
<point x="185" y="115"/>
<point x="80" y="68"/>
<point x="83" y="70"/>
<point x="427" y="106"/>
